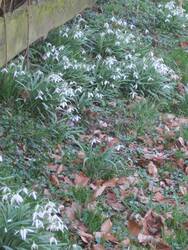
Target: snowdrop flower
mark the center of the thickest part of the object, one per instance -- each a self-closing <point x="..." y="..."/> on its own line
<point x="16" y="199"/>
<point x="34" y="246"/>
<point x="90" y="95"/>
<point x="119" y="147"/>
<point x="76" y="118"/>
<point x="53" y="241"/>
<point x="55" y="78"/>
<point x="63" y="104"/>
<point x="170" y="5"/>
<point x="24" y="190"/>
<point x="4" y="70"/>
<point x="33" y="194"/>
<point x="23" y="233"/>
<point x="5" y="190"/>
<point x="38" y="223"/>
<point x="78" y="34"/>
<point x="40" y="95"/>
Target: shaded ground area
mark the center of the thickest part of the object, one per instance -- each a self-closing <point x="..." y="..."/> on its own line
<point x="99" y="126"/>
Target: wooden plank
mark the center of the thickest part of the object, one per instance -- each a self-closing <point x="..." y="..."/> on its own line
<point x="17" y="32"/>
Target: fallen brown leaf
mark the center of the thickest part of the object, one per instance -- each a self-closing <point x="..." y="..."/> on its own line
<point x="152" y="169"/>
<point x="126" y="242"/>
<point x="113" y="202"/>
<point x="99" y="191"/>
<point x="86" y="237"/>
<point x="152" y="224"/>
<point x="54" y="180"/>
<point x="183" y="190"/>
<point x="98" y="247"/>
<point x="158" y="197"/>
<point x="184" y="44"/>
<point x="81" y="179"/>
<point x="71" y="211"/>
<point x="53" y="167"/>
<point x="81" y="155"/>
<point x="106" y="226"/>
<point x="134" y="227"/>
<point x="60" y="169"/>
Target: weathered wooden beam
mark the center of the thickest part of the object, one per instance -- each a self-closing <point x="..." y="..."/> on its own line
<point x="28" y="24"/>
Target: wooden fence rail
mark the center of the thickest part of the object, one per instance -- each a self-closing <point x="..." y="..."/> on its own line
<point x="29" y="23"/>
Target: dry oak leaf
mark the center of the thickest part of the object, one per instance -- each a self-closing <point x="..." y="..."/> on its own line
<point x="110" y="237"/>
<point x="60" y="169"/>
<point x="158" y="197"/>
<point x="71" y="211"/>
<point x="134" y="227"/>
<point x="152" y="169"/>
<point x="112" y="201"/>
<point x="100" y="190"/>
<point x="126" y="242"/>
<point x="183" y="190"/>
<point x="54" y="180"/>
<point x="81" y="155"/>
<point x="81" y="179"/>
<point x="86" y="237"/>
<point x="53" y="167"/>
<point x="98" y="247"/>
<point x="106" y="227"/>
<point x="152" y="224"/>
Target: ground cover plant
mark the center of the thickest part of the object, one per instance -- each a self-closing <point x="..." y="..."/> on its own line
<point x="94" y="134"/>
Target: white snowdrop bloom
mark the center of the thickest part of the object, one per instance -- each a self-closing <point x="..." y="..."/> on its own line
<point x="55" y="78"/>
<point x="113" y="19"/>
<point x="40" y="95"/>
<point x="53" y="241"/>
<point x="110" y="61"/>
<point x="150" y="79"/>
<point x="61" y="48"/>
<point x="79" y="34"/>
<point x="128" y="56"/>
<point x="16" y="198"/>
<point x="65" y="34"/>
<point x="170" y="5"/>
<point x="23" y="233"/>
<point x="33" y="194"/>
<point x="5" y="197"/>
<point x="5" y="190"/>
<point x="99" y="96"/>
<point x="129" y="38"/>
<point x="38" y="223"/>
<point x="34" y="246"/>
<point x="70" y="109"/>
<point x="95" y="141"/>
<point x="39" y="73"/>
<point x="63" y="104"/>
<point x="135" y="74"/>
<point x="76" y="118"/>
<point x="106" y="25"/>
<point x="167" y="20"/>
<point x="108" y="50"/>
<point x="90" y="95"/>
<point x="119" y="147"/>
<point x="4" y="70"/>
<point x="98" y="57"/>
<point x="109" y="31"/>
<point x="102" y="34"/>
<point x="24" y="190"/>
<point x="117" y="43"/>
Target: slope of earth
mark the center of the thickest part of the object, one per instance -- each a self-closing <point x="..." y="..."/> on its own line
<point x="94" y="135"/>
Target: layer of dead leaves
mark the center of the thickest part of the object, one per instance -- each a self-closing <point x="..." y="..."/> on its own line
<point x="148" y="228"/>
